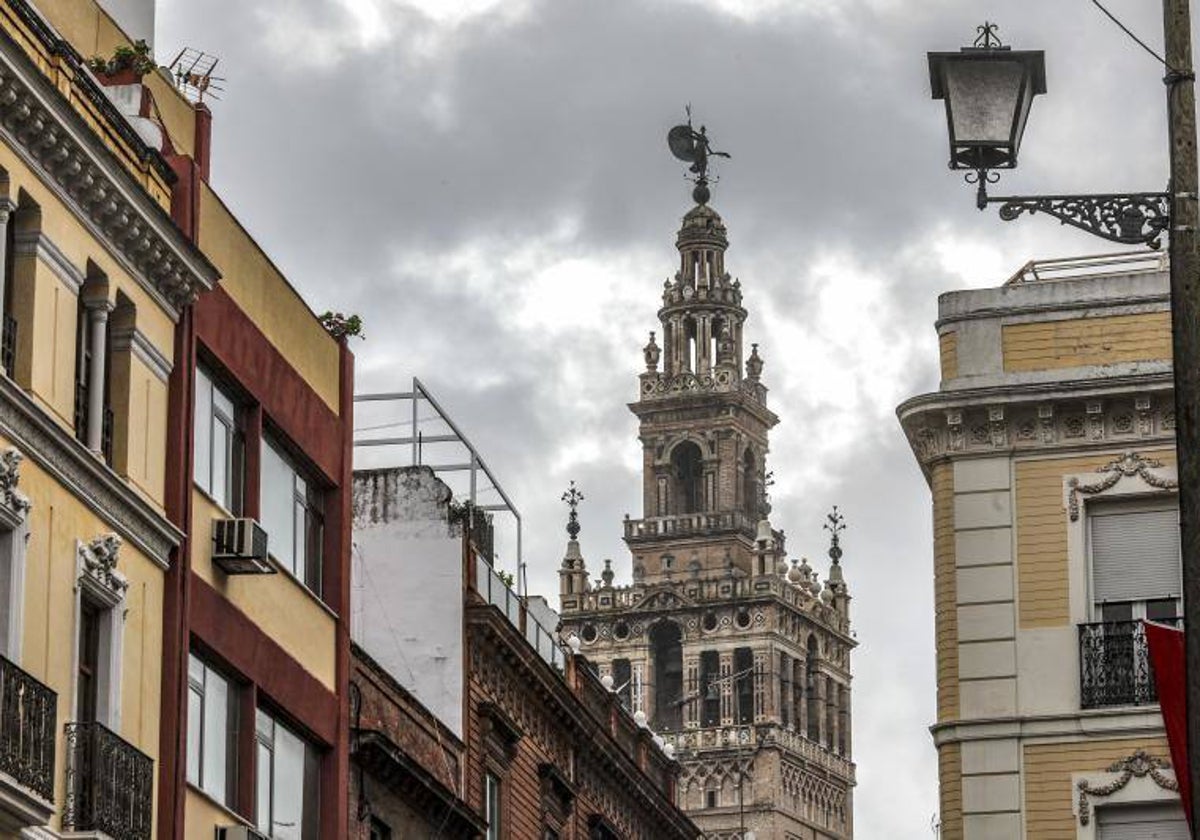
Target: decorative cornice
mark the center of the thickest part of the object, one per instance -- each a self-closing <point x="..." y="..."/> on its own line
<point x="1129" y="465"/>
<point x="133" y="339"/>
<point x="945" y="429"/>
<point x="1138" y="765"/>
<point x="57" y="452"/>
<point x="46" y="132"/>
<point x="36" y="244"/>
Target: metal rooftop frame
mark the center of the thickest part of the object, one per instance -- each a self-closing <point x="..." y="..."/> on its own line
<point x="416" y="440"/>
<point x="1070" y="268"/>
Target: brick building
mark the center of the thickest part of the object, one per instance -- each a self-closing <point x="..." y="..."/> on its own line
<point x="549" y="750"/>
<point x="405" y="764"/>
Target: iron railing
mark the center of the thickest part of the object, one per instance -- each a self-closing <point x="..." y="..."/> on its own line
<point x="8" y="345"/>
<point x="110" y="784"/>
<point x="28" y="725"/>
<point x="1114" y="665"/>
<point x="691" y="523"/>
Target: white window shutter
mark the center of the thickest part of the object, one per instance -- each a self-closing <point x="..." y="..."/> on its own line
<point x="1135" y="555"/>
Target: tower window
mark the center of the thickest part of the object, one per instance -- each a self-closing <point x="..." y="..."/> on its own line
<point x="667" y="650"/>
<point x="750" y="495"/>
<point x="687" y="470"/>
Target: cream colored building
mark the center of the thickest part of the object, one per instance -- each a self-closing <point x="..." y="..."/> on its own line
<point x="1049" y="450"/>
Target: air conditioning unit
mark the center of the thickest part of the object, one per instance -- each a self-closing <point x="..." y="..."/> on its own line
<point x="240" y="547"/>
<point x="239" y="832"/>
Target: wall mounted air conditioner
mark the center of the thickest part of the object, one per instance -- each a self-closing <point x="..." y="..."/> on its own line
<point x="240" y="547"/>
<point x="239" y="832"/>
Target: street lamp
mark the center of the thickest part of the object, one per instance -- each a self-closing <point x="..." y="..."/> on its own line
<point x="988" y="90"/>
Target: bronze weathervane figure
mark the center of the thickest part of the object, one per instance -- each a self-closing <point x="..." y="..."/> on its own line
<point x="694" y="147"/>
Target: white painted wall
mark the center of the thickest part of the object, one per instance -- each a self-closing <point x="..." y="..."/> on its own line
<point x="135" y="17"/>
<point x="406" y="603"/>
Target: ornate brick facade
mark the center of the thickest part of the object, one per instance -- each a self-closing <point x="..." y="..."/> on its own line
<point x="740" y="663"/>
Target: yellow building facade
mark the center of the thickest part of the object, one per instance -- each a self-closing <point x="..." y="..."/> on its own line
<point x="149" y="686"/>
<point x="95" y="278"/>
<point x="1049" y="452"/>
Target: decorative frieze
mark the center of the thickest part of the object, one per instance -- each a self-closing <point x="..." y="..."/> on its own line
<point x="940" y="432"/>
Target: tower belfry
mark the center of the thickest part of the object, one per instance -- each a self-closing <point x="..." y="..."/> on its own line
<point x="738" y="660"/>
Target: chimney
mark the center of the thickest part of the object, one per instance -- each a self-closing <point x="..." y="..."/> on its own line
<point x="203" y="140"/>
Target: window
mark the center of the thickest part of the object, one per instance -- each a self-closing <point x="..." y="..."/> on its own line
<point x="622" y="676"/>
<point x="743" y="662"/>
<point x="1141" y="822"/>
<point x="212" y="732"/>
<point x="286" y="782"/>
<point x="710" y="695"/>
<point x="491" y="805"/>
<point x="219" y="446"/>
<point x="88" y="687"/>
<point x="1135" y="561"/>
<point x="710" y="799"/>
<point x="292" y="515"/>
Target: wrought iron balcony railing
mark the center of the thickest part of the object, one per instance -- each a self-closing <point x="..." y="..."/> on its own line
<point x="110" y="784"/>
<point x="28" y="725"/>
<point x="1114" y="665"/>
<point x="8" y="345"/>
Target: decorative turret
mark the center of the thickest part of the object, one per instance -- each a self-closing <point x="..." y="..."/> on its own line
<point x="836" y="583"/>
<point x="572" y="575"/>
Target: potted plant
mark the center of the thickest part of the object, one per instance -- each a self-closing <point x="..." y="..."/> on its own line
<point x="342" y="326"/>
<point x="126" y="67"/>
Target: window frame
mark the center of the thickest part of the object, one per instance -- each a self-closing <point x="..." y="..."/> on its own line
<point x="493" y="804"/>
<point x="267" y="741"/>
<point x="307" y="496"/>
<point x="1117" y="506"/>
<point x="228" y="796"/>
<point x="233" y="496"/>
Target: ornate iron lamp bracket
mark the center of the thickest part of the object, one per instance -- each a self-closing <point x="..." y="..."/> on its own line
<point x="1128" y="218"/>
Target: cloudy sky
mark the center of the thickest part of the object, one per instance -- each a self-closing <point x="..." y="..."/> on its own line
<point x="486" y="182"/>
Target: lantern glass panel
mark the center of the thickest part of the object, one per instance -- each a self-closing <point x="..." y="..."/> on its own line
<point x="984" y="98"/>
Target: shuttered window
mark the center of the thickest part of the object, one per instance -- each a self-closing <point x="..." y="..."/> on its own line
<point x="1135" y="553"/>
<point x="1141" y="822"/>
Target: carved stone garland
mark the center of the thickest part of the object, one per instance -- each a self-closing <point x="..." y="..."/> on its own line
<point x="1138" y="765"/>
<point x="10" y="473"/>
<point x="1127" y="466"/>
<point x="98" y="568"/>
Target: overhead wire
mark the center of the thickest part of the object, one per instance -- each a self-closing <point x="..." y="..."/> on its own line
<point x="1135" y="38"/>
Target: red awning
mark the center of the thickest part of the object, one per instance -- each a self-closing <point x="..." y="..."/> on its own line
<point x="1166" y="654"/>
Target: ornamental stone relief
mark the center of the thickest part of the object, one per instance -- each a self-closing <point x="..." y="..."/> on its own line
<point x="1136" y="766"/>
<point x="939" y="432"/>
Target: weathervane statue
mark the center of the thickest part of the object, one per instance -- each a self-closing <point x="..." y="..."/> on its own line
<point x="693" y="147"/>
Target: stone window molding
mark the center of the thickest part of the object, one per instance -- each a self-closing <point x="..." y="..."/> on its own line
<point x="1130" y="465"/>
<point x="1132" y="477"/>
<point x="1139" y="778"/>
<point x="99" y="582"/>
<point x="14" y="541"/>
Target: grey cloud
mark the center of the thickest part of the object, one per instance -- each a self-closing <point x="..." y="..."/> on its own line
<point x="405" y="181"/>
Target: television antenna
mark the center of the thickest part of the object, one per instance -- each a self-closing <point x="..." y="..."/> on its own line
<point x="193" y="72"/>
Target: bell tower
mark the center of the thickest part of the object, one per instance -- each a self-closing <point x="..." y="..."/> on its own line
<point x="736" y="660"/>
<point x="704" y="420"/>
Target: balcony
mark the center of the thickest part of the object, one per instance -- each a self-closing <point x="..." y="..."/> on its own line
<point x="688" y="524"/>
<point x="110" y="784"/>
<point x="1114" y="665"/>
<point x="28" y="725"/>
